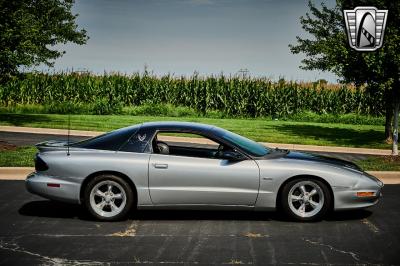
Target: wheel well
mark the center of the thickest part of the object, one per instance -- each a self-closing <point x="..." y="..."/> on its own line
<point x="278" y="196"/>
<point x="115" y="173"/>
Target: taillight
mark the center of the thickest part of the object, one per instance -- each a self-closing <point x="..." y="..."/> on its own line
<point x="40" y="165"/>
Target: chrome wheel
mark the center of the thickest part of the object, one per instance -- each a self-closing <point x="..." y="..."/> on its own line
<point x="306" y="199"/>
<point x="107" y="198"/>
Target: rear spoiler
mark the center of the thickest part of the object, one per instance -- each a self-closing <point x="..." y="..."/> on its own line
<point x="52" y="145"/>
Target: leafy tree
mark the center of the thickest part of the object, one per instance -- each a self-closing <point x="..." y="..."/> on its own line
<point x="329" y="50"/>
<point x="29" y="30"/>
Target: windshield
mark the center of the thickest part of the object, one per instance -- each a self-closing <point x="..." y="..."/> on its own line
<point x="249" y="146"/>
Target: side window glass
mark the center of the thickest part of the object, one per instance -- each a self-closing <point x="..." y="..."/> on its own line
<point x="189" y="140"/>
<point x="139" y="142"/>
<point x="185" y="144"/>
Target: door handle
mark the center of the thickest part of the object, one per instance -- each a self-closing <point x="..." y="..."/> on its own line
<point x="160" y="165"/>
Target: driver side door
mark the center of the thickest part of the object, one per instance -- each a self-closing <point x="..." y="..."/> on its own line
<point x="182" y="178"/>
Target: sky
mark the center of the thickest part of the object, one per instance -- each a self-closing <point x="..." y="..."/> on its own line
<point x="183" y="36"/>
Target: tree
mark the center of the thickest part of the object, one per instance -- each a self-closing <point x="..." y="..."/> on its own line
<point x="29" y="30"/>
<point x="328" y="50"/>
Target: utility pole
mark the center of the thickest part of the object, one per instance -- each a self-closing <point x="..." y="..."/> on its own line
<point x="244" y="72"/>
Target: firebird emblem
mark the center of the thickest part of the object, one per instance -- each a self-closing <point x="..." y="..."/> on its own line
<point x="141" y="137"/>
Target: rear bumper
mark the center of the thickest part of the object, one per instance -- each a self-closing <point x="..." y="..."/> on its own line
<point x="54" y="188"/>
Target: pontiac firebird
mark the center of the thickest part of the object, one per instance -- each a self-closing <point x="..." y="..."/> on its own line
<point x="134" y="168"/>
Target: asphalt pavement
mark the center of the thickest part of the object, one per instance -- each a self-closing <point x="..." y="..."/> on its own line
<point x="27" y="139"/>
<point x="35" y="231"/>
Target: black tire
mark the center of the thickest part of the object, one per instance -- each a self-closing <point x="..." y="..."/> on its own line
<point x="324" y="204"/>
<point x="118" y="185"/>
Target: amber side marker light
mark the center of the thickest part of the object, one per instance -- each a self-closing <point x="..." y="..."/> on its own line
<point x="365" y="194"/>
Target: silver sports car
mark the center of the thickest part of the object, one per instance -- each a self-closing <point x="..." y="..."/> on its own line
<point x="156" y="165"/>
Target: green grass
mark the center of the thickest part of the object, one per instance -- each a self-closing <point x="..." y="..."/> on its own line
<point x="265" y="130"/>
<point x="21" y="157"/>
<point x="380" y="163"/>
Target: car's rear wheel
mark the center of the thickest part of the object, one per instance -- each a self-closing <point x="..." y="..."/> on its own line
<point x="306" y="199"/>
<point x="108" y="197"/>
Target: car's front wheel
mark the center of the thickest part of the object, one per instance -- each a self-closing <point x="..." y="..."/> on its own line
<point x="108" y="197"/>
<point x="306" y="199"/>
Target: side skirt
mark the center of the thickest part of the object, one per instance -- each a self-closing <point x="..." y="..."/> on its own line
<point x="196" y="207"/>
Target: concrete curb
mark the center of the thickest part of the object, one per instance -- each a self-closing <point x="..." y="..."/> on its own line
<point x="15" y="173"/>
<point x="85" y="133"/>
<point x="20" y="173"/>
<point x="387" y="177"/>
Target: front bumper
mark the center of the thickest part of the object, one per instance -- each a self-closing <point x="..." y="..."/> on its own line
<point x="347" y="198"/>
<point x="45" y="186"/>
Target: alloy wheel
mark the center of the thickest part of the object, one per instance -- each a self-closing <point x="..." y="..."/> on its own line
<point x="306" y="199"/>
<point x="108" y="198"/>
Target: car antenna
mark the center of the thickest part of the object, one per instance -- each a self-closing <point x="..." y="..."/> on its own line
<point x="69" y="126"/>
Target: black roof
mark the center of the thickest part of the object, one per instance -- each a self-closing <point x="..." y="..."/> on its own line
<point x="174" y="125"/>
<point x="114" y="140"/>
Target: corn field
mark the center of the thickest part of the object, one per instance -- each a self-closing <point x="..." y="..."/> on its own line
<point x="234" y="96"/>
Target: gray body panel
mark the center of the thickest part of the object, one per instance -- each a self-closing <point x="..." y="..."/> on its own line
<point x="188" y="180"/>
<point x="170" y="181"/>
<point x="82" y="163"/>
<point x="344" y="182"/>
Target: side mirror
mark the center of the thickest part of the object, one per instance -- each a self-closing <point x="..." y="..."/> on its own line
<point x="231" y="156"/>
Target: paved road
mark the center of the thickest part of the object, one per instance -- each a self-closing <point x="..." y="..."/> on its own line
<point x="24" y="139"/>
<point x="37" y="231"/>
